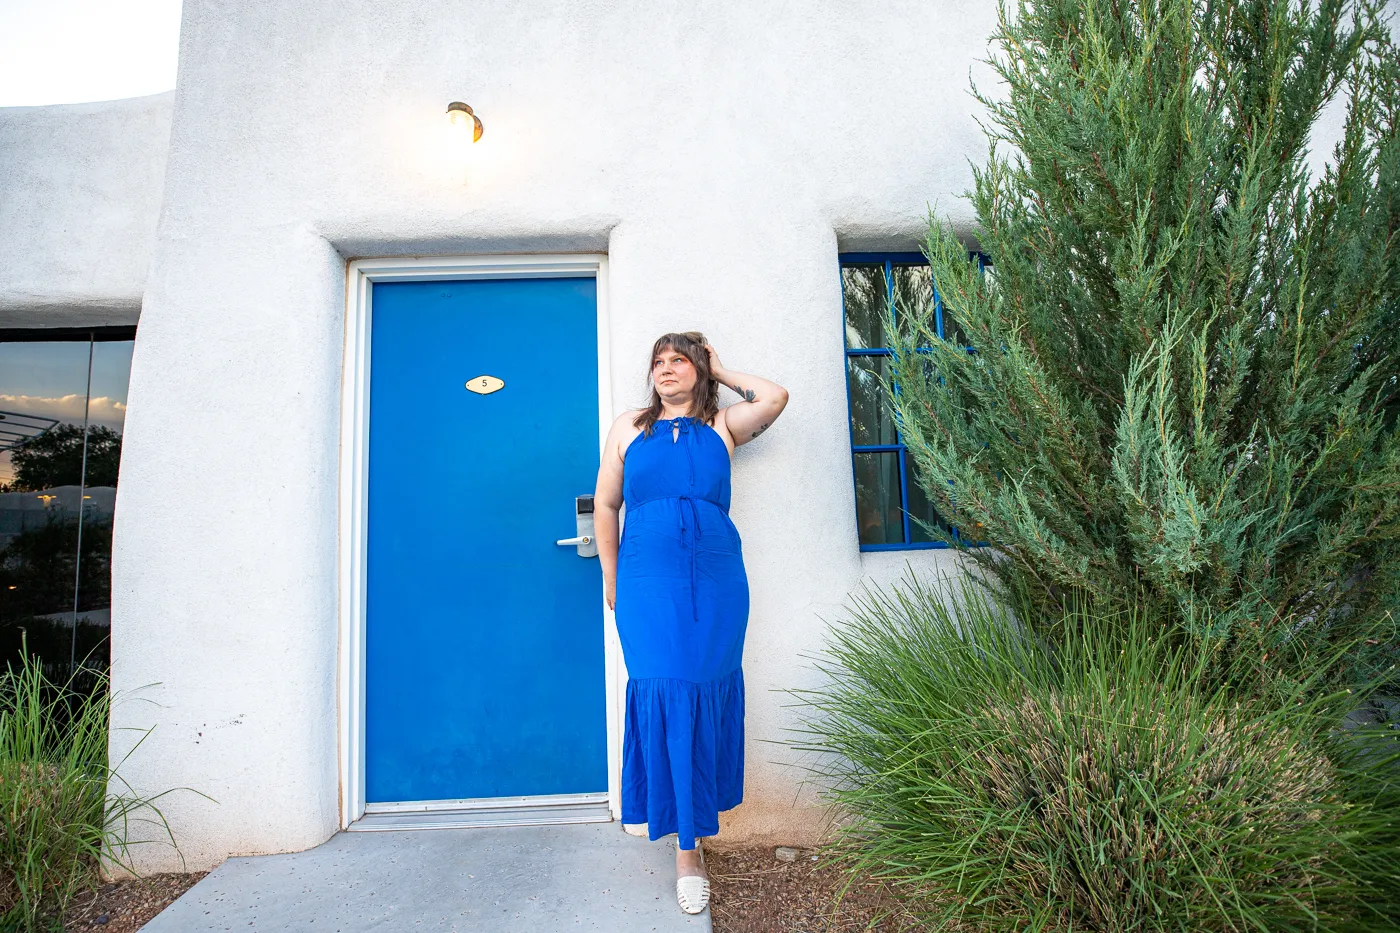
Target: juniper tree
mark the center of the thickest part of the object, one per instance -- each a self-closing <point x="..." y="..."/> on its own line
<point x="1179" y="382"/>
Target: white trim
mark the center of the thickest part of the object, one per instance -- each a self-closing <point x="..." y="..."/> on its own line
<point x="486" y="803"/>
<point x="354" y="438"/>
<point x="614" y="670"/>
<point x="551" y="809"/>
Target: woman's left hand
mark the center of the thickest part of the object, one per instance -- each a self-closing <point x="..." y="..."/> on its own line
<point x="716" y="367"/>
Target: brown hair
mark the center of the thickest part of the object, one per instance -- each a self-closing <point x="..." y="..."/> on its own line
<point x="705" y="403"/>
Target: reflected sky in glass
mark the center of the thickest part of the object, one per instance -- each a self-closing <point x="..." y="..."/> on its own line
<point x="49" y="380"/>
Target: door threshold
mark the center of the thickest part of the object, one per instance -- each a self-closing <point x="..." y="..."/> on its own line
<point x="484" y="812"/>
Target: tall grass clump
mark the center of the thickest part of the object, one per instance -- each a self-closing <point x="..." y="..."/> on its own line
<point x="1105" y="782"/>
<point x="57" y="819"/>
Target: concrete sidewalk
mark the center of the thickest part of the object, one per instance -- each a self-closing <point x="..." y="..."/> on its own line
<point x="532" y="879"/>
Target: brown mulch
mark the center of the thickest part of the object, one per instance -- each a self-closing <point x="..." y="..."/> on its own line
<point x="751" y="891"/>
<point x="125" y="906"/>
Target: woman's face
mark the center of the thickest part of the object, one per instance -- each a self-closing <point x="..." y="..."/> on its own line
<point x="673" y="374"/>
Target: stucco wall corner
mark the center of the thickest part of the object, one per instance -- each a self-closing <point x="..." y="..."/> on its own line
<point x="80" y="196"/>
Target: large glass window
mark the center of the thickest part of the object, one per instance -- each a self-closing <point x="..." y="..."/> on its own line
<point x="889" y="494"/>
<point x="62" y="408"/>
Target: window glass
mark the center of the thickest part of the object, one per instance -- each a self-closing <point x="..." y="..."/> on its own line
<point x="57" y="494"/>
<point x="874" y="288"/>
<point x="42" y="385"/>
<point x="952" y="332"/>
<point x="913" y="287"/>
<point x="877" y="498"/>
<point x="920" y="506"/>
<point x="872" y="420"/>
<point x="866" y="300"/>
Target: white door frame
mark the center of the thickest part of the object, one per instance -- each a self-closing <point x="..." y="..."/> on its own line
<point x="354" y="444"/>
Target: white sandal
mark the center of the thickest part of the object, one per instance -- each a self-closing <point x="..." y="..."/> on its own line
<point x="693" y="891"/>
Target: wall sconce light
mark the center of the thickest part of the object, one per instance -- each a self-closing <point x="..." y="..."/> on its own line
<point x="464" y="120"/>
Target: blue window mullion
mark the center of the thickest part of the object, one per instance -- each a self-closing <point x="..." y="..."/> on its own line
<point x="904" y="495"/>
<point x="938" y="309"/>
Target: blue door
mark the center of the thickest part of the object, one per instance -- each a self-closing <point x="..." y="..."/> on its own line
<point x="484" y="638"/>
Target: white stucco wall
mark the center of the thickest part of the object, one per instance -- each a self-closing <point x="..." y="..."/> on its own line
<point x="80" y="190"/>
<point x="720" y="153"/>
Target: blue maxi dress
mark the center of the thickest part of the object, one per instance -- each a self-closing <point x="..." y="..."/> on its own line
<point x="682" y="607"/>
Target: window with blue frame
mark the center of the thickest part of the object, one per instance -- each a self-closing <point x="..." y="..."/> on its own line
<point x="889" y="495"/>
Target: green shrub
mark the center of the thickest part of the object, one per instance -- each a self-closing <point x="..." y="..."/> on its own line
<point x="1102" y="785"/>
<point x="57" y="816"/>
<point x="1184" y="380"/>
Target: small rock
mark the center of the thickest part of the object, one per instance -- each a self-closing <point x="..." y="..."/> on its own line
<point x="786" y="854"/>
<point x="103" y="918"/>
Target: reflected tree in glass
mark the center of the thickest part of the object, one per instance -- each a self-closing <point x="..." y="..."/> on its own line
<point x="60" y="446"/>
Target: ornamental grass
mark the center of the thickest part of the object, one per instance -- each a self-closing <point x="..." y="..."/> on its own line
<point x="63" y="809"/>
<point x="1102" y="783"/>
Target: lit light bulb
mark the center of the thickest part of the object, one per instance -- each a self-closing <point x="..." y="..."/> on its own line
<point x="464" y="121"/>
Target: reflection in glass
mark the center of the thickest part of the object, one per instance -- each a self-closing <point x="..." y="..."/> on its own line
<point x="57" y="494"/>
<point x="920" y="507"/>
<point x="872" y="417"/>
<point x="867" y="305"/>
<point x="877" y="498"/>
<point x="41" y="384"/>
<point x="913" y="288"/>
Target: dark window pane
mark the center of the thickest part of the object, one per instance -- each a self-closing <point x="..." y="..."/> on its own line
<point x="48" y="503"/>
<point x="44" y="387"/>
<point x="111" y="372"/>
<point x="952" y="332"/>
<point x="913" y="288"/>
<point x="867" y="305"/>
<point x="920" y="507"/>
<point x="877" y="498"/>
<point x="872" y="418"/>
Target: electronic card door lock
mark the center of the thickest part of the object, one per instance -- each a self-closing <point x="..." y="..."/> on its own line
<point x="585" y="541"/>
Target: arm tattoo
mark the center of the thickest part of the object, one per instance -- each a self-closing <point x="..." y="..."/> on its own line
<point x="761" y="429"/>
<point x="746" y="393"/>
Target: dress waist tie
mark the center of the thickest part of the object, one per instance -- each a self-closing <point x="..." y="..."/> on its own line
<point x="687" y="434"/>
<point x="687" y="503"/>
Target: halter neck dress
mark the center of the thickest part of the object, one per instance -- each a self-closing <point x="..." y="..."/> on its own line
<point x="682" y="607"/>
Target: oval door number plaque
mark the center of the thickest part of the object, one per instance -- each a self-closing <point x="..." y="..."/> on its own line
<point x="484" y="385"/>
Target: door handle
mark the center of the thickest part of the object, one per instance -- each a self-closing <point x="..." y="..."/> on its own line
<point x="583" y="517"/>
<point x="581" y="539"/>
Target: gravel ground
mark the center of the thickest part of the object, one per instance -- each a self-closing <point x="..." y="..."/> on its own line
<point x="751" y="891"/>
<point x="125" y="906"/>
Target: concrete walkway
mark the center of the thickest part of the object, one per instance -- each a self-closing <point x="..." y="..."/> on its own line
<point x="532" y="879"/>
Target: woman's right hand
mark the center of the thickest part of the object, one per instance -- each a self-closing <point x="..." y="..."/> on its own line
<point x="610" y="593"/>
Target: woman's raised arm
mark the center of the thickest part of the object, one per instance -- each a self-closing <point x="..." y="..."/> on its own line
<point x="763" y="401"/>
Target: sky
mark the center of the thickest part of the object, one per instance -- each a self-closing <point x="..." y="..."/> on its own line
<point x="74" y="51"/>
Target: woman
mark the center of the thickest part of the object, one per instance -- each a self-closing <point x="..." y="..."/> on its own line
<point x="680" y="594"/>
